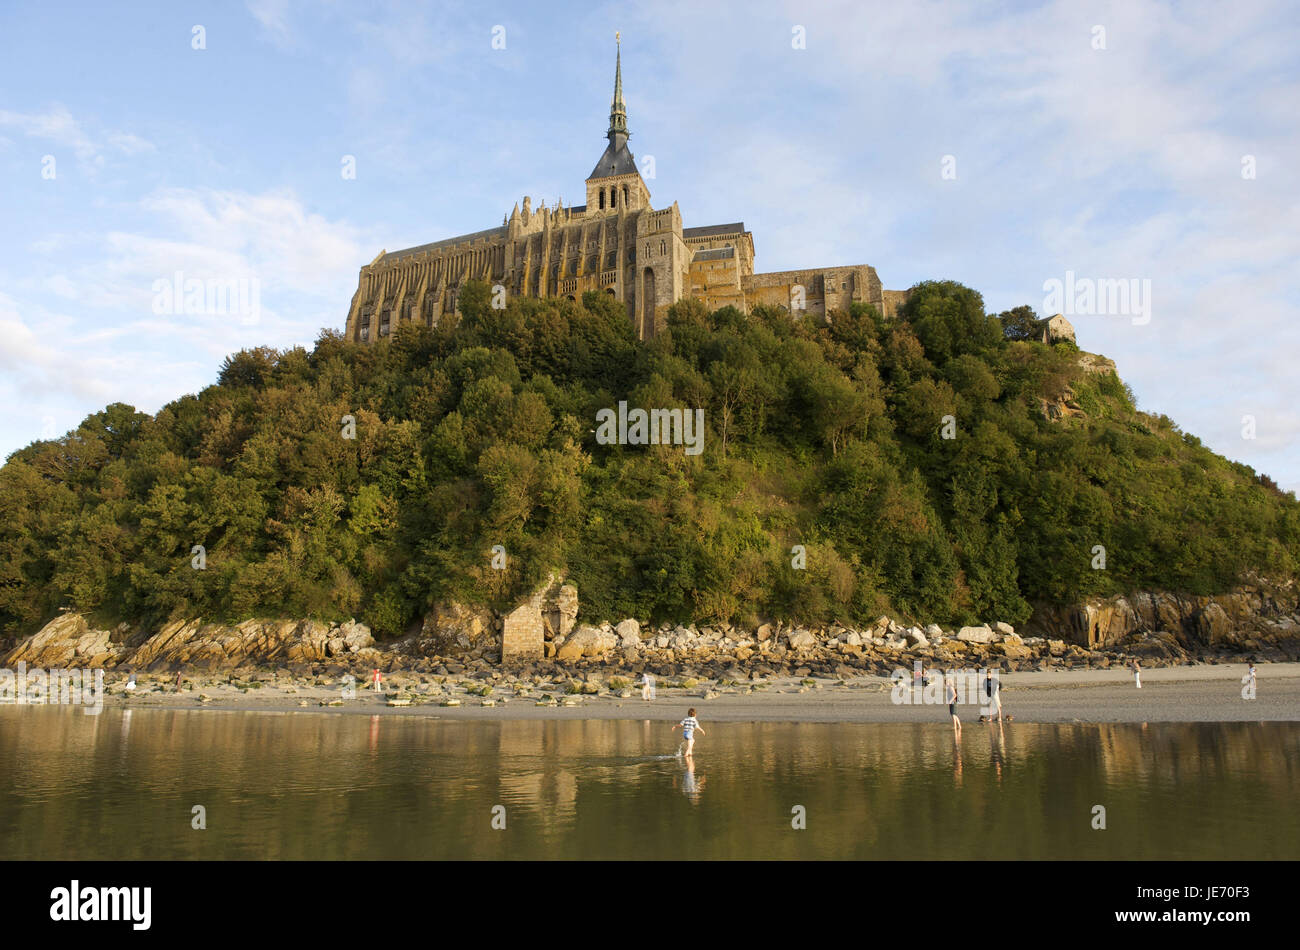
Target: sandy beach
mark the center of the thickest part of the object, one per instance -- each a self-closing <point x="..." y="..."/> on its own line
<point x="1200" y="693"/>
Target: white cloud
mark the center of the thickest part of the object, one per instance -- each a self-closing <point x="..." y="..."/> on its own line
<point x="80" y="335"/>
<point x="58" y="126"/>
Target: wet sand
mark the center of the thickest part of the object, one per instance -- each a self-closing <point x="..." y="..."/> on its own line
<point x="1202" y="693"/>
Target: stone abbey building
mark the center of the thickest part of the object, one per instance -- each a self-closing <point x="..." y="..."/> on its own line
<point x="616" y="243"/>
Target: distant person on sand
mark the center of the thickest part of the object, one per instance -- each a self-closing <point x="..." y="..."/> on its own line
<point x="1137" y="672"/>
<point x="689" y="726"/>
<point x="950" y="697"/>
<point x="1251" y="674"/>
<point x="647" y="686"/>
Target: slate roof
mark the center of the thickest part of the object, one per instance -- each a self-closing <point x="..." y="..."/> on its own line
<point x="616" y="160"/>
<point x="490" y="234"/>
<point x="713" y="229"/>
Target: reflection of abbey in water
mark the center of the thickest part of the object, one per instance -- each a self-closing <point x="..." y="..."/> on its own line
<point x="616" y="243"/>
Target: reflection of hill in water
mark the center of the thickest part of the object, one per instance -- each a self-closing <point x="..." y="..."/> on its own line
<point x="122" y="785"/>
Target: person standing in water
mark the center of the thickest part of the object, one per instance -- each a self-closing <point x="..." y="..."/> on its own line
<point x="950" y="697"/>
<point x="1137" y="672"/>
<point x="689" y="726"/>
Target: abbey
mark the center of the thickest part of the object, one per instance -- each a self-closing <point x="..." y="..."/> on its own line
<point x="618" y="243"/>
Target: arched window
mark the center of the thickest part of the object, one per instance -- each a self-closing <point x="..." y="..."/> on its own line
<point x="602" y="199"/>
<point x="613" y="197"/>
<point x="625" y="196"/>
<point x="662" y="249"/>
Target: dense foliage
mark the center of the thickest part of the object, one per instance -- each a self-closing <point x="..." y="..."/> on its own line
<point x="828" y="435"/>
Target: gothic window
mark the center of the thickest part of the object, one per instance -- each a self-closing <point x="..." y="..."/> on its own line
<point x="613" y="197"/>
<point x="662" y="249"/>
<point x="647" y="248"/>
<point x="365" y="332"/>
<point x="625" y="195"/>
<point x="602" y="199"/>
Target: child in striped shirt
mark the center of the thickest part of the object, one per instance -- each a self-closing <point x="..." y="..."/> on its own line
<point x="689" y="726"/>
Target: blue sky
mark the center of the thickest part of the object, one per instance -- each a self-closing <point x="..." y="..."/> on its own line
<point x="1122" y="162"/>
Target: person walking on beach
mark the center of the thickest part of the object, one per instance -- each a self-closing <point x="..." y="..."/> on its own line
<point x="689" y="726"/>
<point x="1137" y="672"/>
<point x="647" y="686"/>
<point x="994" y="692"/>
<point x="950" y="697"/>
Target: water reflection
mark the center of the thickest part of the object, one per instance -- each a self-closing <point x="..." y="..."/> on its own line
<point x="305" y="785"/>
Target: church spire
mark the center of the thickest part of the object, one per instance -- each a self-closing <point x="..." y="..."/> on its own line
<point x="617" y="108"/>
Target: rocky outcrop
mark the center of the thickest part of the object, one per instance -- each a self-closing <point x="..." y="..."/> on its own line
<point x="455" y="629"/>
<point x="1260" y="620"/>
<point x="68" y="641"/>
<point x="1250" y="618"/>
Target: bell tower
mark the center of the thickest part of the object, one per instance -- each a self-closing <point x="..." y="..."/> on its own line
<point x="615" y="184"/>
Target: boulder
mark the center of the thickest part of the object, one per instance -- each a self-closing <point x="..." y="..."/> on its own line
<point x="629" y="633"/>
<point x="801" y="640"/>
<point x="1013" y="650"/>
<point x="916" y="638"/>
<point x="1004" y="628"/>
<point x="356" y="636"/>
<point x="979" y="634"/>
<point x="587" y="641"/>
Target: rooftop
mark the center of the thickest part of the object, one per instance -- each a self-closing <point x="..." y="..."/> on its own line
<point x="491" y="234"/>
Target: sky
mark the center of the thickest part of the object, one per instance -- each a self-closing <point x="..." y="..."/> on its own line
<point x="283" y="144"/>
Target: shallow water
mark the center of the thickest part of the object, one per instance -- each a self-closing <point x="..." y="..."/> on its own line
<point x="123" y="785"/>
